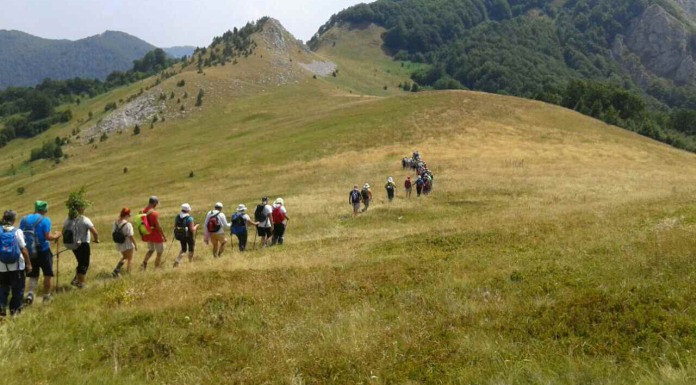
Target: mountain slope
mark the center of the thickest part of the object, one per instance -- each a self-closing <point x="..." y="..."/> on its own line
<point x="554" y="248"/>
<point x="26" y="60"/>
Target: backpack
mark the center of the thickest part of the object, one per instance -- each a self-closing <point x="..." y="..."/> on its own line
<point x="30" y="237"/>
<point x="259" y="216"/>
<point x="365" y="194"/>
<point x="278" y="216"/>
<point x="407" y="184"/>
<point x="354" y="196"/>
<point x="9" y="247"/>
<point x="214" y="223"/>
<point x="181" y="228"/>
<point x="238" y="225"/>
<point x="69" y="234"/>
<point x="118" y="235"/>
<point x="142" y="223"/>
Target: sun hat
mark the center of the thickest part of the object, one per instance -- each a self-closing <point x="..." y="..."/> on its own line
<point x="186" y="207"/>
<point x="280" y="201"/>
<point x="218" y="205"/>
<point x="366" y="185"/>
<point x="241" y="208"/>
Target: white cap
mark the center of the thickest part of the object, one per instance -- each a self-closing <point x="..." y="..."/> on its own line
<point x="186" y="207"/>
<point x="241" y="208"/>
<point x="390" y="180"/>
<point x="280" y="201"/>
<point x="218" y="205"/>
<point x="366" y="185"/>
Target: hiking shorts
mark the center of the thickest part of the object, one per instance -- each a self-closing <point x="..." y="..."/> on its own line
<point x="264" y="231"/>
<point x="158" y="247"/>
<point x="43" y="263"/>
<point x="356" y="206"/>
<point x="188" y="244"/>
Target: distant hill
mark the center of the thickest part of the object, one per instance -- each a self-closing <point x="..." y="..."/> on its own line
<point x="26" y="60"/>
<point x="629" y="63"/>
<point x="528" y="48"/>
<point x="180" y="51"/>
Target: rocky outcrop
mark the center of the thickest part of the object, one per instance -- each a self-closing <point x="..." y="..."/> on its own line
<point x="663" y="45"/>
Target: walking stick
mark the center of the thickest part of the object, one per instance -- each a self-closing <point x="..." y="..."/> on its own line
<point x="57" y="262"/>
<point x="254" y="246"/>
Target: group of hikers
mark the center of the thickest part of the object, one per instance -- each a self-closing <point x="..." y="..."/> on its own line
<point x="423" y="183"/>
<point x="25" y="250"/>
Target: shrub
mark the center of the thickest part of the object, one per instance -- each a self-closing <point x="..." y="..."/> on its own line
<point x="136" y="130"/>
<point x="181" y="83"/>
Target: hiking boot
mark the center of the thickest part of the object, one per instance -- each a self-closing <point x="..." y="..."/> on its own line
<point x="143" y="267"/>
<point x="75" y="282"/>
<point x="47" y="298"/>
<point x="30" y="299"/>
<point x="116" y="273"/>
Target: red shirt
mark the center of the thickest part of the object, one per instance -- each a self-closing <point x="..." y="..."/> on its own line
<point x="155" y="235"/>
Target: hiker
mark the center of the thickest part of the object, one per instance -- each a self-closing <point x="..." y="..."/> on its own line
<point x="215" y="223"/>
<point x="391" y="188"/>
<point x="82" y="230"/>
<point x="262" y="215"/>
<point x="185" y="233"/>
<point x="14" y="264"/>
<point x="239" y="222"/>
<point x="419" y="185"/>
<point x="354" y="198"/>
<point x="124" y="237"/>
<point x="152" y="233"/>
<point x="366" y="196"/>
<point x="280" y="221"/>
<point x="37" y="236"/>
<point x="427" y="184"/>
<point x="408" y="186"/>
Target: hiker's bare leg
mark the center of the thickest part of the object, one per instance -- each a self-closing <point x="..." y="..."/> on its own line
<point x="158" y="259"/>
<point x="47" y="285"/>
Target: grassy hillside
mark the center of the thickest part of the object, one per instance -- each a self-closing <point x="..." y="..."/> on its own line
<point x="554" y="249"/>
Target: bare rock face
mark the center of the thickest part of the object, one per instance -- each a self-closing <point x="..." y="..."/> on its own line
<point x="664" y="45"/>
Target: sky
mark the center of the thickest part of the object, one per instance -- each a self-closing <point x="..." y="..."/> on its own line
<point x="163" y="23"/>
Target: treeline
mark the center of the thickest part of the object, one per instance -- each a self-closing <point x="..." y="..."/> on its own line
<point x="29" y="111"/>
<point x="529" y="48"/>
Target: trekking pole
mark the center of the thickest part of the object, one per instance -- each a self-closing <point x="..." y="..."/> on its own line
<point x="254" y="246"/>
<point x="57" y="262"/>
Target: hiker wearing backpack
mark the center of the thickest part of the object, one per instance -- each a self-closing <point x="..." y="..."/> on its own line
<point x="78" y="230"/>
<point x="239" y="222"/>
<point x="124" y="237"/>
<point x="14" y="264"/>
<point x="151" y="232"/>
<point x="391" y="188"/>
<point x="37" y="235"/>
<point x="419" y="186"/>
<point x="408" y="186"/>
<point x="279" y="215"/>
<point x="354" y="198"/>
<point x="262" y="215"/>
<point x="215" y="223"/>
<point x="366" y="196"/>
<point x="185" y="233"/>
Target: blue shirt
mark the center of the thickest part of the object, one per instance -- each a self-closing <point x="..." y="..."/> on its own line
<point x="28" y="222"/>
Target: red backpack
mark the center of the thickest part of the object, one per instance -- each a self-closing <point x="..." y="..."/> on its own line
<point x="278" y="216"/>
<point x="214" y="223"/>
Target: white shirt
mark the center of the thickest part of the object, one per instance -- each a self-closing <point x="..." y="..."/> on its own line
<point x="19" y="235"/>
<point x="267" y="212"/>
<point x="82" y="227"/>
<point x="221" y="219"/>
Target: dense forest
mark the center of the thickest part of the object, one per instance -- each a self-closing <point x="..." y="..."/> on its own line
<point x="540" y="49"/>
<point x="29" y="111"/>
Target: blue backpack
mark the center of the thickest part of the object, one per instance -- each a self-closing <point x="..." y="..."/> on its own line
<point x="9" y="247"/>
<point x="30" y="236"/>
<point x="238" y="224"/>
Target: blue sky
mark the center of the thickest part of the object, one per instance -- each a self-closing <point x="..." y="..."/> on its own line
<point x="162" y="23"/>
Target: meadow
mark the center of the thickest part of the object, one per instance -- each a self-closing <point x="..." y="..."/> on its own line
<point x="555" y="249"/>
